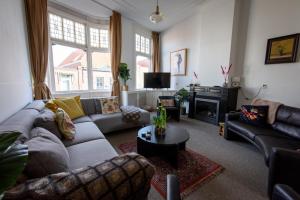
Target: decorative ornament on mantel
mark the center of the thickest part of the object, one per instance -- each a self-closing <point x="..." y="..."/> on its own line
<point x="156" y="16"/>
<point x="225" y="73"/>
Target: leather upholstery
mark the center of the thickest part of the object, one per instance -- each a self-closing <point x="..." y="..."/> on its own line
<point x="173" y="112"/>
<point x="284" y="169"/>
<point x="284" y="133"/>
<point x="266" y="143"/>
<point x="287" y="129"/>
<point x="284" y="192"/>
<point x="173" y="187"/>
<point x="289" y="115"/>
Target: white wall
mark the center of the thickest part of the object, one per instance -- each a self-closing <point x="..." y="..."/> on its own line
<point x="15" y="83"/>
<point x="268" y="19"/>
<point x="129" y="28"/>
<point x="207" y="36"/>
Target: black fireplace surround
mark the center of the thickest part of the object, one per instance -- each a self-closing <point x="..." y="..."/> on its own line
<point x="210" y="104"/>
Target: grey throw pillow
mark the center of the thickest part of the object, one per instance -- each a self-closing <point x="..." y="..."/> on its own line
<point x="46" y="120"/>
<point x="47" y="154"/>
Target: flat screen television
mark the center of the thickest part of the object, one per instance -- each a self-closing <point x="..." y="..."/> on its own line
<point x="157" y="80"/>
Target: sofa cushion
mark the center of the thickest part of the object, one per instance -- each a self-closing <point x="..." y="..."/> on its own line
<point x="251" y="131"/>
<point x="266" y="143"/>
<point x="46" y="120"/>
<point x="104" y="121"/>
<point x="289" y="115"/>
<point x="71" y="105"/>
<point x="82" y="119"/>
<point x="89" y="153"/>
<point x="88" y="106"/>
<point x="47" y="154"/>
<point x="84" y="132"/>
<point x="124" y="177"/>
<point x="22" y="121"/>
<point x="110" y="105"/>
<point x="287" y="129"/>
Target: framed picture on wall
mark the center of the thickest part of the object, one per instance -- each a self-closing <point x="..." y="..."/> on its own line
<point x="282" y="49"/>
<point x="178" y="62"/>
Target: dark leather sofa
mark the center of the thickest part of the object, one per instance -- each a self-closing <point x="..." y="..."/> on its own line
<point x="278" y="143"/>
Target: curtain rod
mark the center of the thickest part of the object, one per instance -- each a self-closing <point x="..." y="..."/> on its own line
<point x="101" y="4"/>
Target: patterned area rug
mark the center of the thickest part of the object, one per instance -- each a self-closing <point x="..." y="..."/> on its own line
<point x="193" y="170"/>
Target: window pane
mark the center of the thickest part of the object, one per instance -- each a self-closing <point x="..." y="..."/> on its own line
<point x="70" y="68"/>
<point x="80" y="33"/>
<point x="68" y="30"/>
<point x="147" y="47"/>
<point x="101" y="70"/>
<point x="142" y="44"/>
<point x="55" y="26"/>
<point x="94" y="37"/>
<point x="104" y="38"/>
<point x="142" y="66"/>
<point x="137" y="42"/>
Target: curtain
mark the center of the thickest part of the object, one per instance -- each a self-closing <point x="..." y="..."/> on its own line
<point x="156" y="52"/>
<point x="37" y="25"/>
<point x="116" y="42"/>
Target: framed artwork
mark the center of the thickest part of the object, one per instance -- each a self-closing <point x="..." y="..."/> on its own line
<point x="178" y="62"/>
<point x="282" y="49"/>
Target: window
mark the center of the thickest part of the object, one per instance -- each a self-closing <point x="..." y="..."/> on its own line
<point x="143" y="63"/>
<point x="101" y="69"/>
<point x="80" y="55"/>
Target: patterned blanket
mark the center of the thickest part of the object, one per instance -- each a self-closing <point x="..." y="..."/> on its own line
<point x="131" y="113"/>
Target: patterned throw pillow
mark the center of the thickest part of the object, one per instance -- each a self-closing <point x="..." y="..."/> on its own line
<point x="167" y="102"/>
<point x="126" y="176"/>
<point x="254" y="115"/>
<point x="110" y="105"/>
<point x="65" y="124"/>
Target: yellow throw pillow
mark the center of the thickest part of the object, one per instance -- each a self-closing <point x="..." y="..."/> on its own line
<point x="65" y="125"/>
<point x="110" y="105"/>
<point x="72" y="106"/>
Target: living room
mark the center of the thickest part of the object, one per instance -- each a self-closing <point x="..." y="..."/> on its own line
<point x="157" y="99"/>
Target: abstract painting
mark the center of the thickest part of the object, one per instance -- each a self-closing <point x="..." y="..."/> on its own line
<point x="178" y="62"/>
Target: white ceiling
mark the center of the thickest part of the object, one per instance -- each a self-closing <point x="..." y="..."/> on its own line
<point x="174" y="11"/>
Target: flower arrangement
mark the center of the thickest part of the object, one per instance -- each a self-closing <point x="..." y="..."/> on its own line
<point x="225" y="73"/>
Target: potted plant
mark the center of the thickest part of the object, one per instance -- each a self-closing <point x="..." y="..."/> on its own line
<point x="13" y="158"/>
<point x="124" y="75"/>
<point x="160" y="121"/>
<point x="182" y="96"/>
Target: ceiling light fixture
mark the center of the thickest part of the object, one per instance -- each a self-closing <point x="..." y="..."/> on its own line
<point x="156" y="16"/>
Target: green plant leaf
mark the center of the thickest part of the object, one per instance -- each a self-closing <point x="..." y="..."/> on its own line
<point x="13" y="158"/>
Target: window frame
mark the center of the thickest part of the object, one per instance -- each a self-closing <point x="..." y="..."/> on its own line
<point x="146" y="35"/>
<point x="85" y="47"/>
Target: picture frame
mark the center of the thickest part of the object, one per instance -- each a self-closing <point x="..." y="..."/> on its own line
<point x="282" y="49"/>
<point x="178" y="62"/>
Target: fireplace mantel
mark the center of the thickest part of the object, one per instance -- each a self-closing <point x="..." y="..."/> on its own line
<point x="210" y="104"/>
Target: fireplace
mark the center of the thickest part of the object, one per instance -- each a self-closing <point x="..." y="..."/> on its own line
<point x="207" y="110"/>
<point x="210" y="104"/>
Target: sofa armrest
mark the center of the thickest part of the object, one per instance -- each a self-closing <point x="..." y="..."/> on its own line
<point x="173" y="189"/>
<point x="284" y="192"/>
<point x="126" y="176"/>
<point x="284" y="169"/>
<point x="232" y="116"/>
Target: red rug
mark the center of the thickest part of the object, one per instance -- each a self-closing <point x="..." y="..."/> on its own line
<point x="193" y="170"/>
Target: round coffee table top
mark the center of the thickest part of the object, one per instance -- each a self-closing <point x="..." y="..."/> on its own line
<point x="173" y="135"/>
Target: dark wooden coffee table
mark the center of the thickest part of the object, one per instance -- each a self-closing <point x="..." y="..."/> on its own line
<point x="166" y="146"/>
